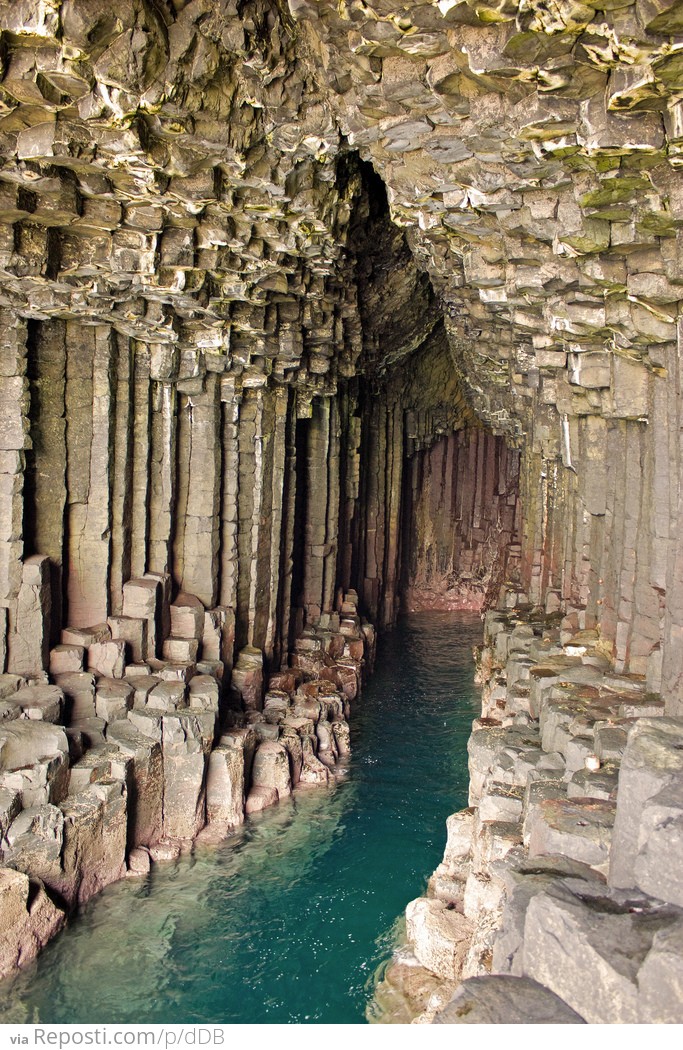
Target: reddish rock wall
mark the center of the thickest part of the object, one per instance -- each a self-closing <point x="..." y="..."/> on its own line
<point x="462" y="522"/>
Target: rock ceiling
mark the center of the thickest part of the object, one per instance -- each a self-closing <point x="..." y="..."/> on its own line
<point x="179" y="170"/>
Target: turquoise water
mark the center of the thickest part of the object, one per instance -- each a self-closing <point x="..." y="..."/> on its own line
<point x="289" y="920"/>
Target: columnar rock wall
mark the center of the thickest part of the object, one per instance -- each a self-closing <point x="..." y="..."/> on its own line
<point x="463" y="522"/>
<point x="196" y="203"/>
<point x="558" y="899"/>
<point x="265" y="271"/>
<point x="533" y="158"/>
<point x="123" y="758"/>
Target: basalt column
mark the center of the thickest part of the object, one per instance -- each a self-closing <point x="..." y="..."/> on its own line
<point x="600" y="533"/>
<point x="462" y="517"/>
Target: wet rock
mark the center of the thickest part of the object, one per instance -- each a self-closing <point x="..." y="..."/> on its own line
<point x="95" y="834"/>
<point x="29" y="920"/>
<point x="271" y="768"/>
<point x="139" y="863"/>
<point x="260" y="798"/>
<point x="225" y="783"/>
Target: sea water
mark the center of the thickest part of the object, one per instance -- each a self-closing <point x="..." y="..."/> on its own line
<point x="289" y="919"/>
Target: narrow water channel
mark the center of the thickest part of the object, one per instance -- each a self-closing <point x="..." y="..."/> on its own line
<point x="288" y="921"/>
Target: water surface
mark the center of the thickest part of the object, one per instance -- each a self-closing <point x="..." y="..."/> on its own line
<point x="289" y="919"/>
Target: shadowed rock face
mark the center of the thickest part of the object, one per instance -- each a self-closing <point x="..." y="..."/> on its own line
<point x="322" y="300"/>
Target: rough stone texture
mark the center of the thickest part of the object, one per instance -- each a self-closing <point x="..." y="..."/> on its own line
<point x="95" y="835"/>
<point x="28" y="918"/>
<point x="271" y="768"/>
<point x="505" y="1000"/>
<point x="145" y="785"/>
<point x="527" y="863"/>
<point x="221" y="349"/>
<point x="439" y="935"/>
<point x="651" y="773"/>
<point x="309" y="310"/>
<point x="469" y="479"/>
<point x="225" y="784"/>
<point x="591" y="957"/>
<point x="578" y="829"/>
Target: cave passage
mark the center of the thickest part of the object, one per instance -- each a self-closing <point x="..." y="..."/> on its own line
<point x="289" y="920"/>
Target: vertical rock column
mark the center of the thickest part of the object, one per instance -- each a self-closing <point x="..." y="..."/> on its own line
<point x="349" y="485"/>
<point x="393" y="516"/>
<point x="90" y="432"/>
<point x="330" y="549"/>
<point x="281" y="638"/>
<point x="163" y="475"/>
<point x="316" y="511"/>
<point x="280" y="540"/>
<point x="371" y="485"/>
<point x="672" y="457"/>
<point x="122" y="470"/>
<point x="198" y="529"/>
<point x="228" y="511"/>
<point x="140" y="473"/>
<point x="250" y="492"/>
<point x="461" y="521"/>
<point x="265" y="528"/>
<point x="14" y="439"/>
<point x="545" y="487"/>
<point x="45" y="493"/>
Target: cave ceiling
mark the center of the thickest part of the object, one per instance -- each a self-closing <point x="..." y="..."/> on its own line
<point x="190" y="173"/>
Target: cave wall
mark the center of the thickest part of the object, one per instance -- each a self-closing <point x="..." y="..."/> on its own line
<point x="462" y="523"/>
<point x="194" y="287"/>
<point x="131" y="461"/>
<point x="308" y="312"/>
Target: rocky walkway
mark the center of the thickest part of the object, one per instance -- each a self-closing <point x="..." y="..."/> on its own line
<point x="560" y="895"/>
<point x="141" y="737"/>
